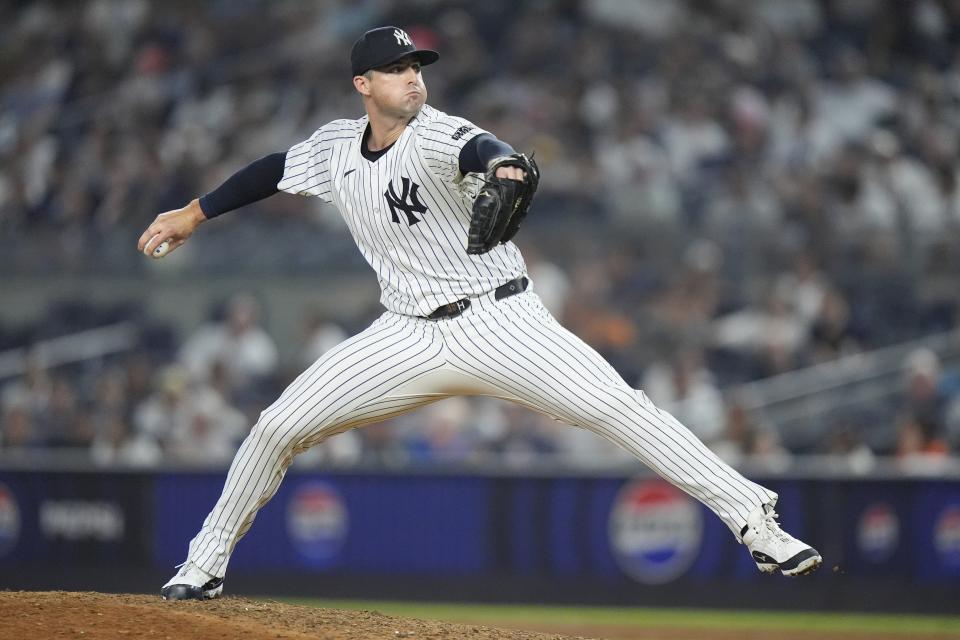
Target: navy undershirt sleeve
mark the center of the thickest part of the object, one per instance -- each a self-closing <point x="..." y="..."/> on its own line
<point x="256" y="181"/>
<point x="479" y="151"/>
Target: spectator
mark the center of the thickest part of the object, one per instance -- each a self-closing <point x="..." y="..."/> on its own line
<point x="440" y="432"/>
<point x="771" y="335"/>
<point x="832" y="334"/>
<point x="846" y="442"/>
<point x="552" y="284"/>
<point x="207" y="431"/>
<point x="18" y="431"/>
<point x="322" y="334"/>
<point x="924" y="398"/>
<point x="685" y="388"/>
<point x="31" y="391"/>
<point x="238" y="343"/>
<point x="920" y="450"/>
<point x="157" y="418"/>
<point x="526" y="440"/>
<point x="61" y="424"/>
<point x="746" y="439"/>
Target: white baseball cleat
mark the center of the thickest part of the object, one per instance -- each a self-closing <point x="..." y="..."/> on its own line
<point x="192" y="583"/>
<point x="773" y="548"/>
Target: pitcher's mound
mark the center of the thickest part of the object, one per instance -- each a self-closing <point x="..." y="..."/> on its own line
<point x="27" y="615"/>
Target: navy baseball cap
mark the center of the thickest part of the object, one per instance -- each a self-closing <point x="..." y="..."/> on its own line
<point x="383" y="45"/>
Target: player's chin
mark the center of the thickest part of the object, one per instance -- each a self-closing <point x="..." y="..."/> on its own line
<point x="406" y="107"/>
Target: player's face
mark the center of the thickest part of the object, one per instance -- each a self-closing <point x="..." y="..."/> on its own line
<point x="397" y="89"/>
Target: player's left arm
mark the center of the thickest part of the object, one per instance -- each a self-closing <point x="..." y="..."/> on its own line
<point x="456" y="145"/>
<point x="510" y="181"/>
<point x="477" y="154"/>
<point x="453" y="147"/>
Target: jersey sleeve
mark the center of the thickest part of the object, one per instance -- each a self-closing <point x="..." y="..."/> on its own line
<point x="306" y="171"/>
<point x="441" y="141"/>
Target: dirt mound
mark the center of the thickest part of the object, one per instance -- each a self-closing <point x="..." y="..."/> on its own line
<point x="38" y="616"/>
<point x="26" y="615"/>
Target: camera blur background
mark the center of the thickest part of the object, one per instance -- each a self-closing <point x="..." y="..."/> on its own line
<point x="750" y="208"/>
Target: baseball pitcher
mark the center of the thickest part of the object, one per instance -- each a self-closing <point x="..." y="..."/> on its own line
<point x="432" y="201"/>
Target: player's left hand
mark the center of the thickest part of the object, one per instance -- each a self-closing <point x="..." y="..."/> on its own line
<point x="172" y="227"/>
<point x="511" y="173"/>
<point x="502" y="202"/>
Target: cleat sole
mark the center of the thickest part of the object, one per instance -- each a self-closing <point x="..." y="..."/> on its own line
<point x="806" y="566"/>
<point x="209" y="591"/>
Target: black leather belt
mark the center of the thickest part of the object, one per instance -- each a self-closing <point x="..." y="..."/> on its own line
<point x="454" y="309"/>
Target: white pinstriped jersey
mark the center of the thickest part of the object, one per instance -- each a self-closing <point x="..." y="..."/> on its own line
<point x="409" y="211"/>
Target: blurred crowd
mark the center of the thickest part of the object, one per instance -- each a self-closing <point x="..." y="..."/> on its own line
<point x="754" y="187"/>
<point x="192" y="401"/>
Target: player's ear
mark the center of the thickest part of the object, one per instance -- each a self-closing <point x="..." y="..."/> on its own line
<point x="362" y="84"/>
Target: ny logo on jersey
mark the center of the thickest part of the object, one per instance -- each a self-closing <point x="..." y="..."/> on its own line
<point x="407" y="201"/>
<point x="402" y="37"/>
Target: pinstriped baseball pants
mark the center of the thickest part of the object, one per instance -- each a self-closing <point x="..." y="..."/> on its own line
<point x="511" y="349"/>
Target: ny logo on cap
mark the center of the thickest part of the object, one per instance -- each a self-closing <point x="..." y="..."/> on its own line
<point x="402" y="37"/>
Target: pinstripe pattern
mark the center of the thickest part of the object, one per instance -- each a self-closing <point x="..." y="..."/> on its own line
<point x="512" y="349"/>
<point x="348" y="387"/>
<point x="420" y="266"/>
<point x="524" y="350"/>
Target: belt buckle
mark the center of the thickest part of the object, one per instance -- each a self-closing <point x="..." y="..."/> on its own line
<point x="450" y="310"/>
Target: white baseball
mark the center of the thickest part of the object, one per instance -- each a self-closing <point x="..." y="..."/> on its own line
<point x="161" y="249"/>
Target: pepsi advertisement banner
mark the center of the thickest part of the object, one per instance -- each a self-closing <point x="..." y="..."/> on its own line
<point x="641" y="531"/>
<point x="375" y="524"/>
<point x="59" y="519"/>
<point x="569" y="539"/>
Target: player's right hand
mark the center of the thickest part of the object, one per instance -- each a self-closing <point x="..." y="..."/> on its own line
<point x="173" y="227"/>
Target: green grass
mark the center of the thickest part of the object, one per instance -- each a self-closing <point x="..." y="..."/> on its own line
<point x="647" y="618"/>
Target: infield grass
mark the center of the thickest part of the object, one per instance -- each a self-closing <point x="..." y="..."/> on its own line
<point x="661" y="618"/>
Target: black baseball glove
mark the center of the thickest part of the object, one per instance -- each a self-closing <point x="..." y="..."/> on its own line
<point x="502" y="203"/>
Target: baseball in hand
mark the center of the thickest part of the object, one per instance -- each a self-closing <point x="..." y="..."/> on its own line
<point x="161" y="249"/>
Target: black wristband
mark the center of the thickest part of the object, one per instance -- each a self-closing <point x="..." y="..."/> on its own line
<point x="477" y="153"/>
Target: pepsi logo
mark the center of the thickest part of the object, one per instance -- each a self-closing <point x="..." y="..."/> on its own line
<point x="878" y="532"/>
<point x="655" y="531"/>
<point x="946" y="536"/>
<point x="317" y="522"/>
<point x="9" y="520"/>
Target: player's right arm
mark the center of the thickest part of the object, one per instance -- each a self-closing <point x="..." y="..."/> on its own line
<point x="304" y="169"/>
<point x="256" y="181"/>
